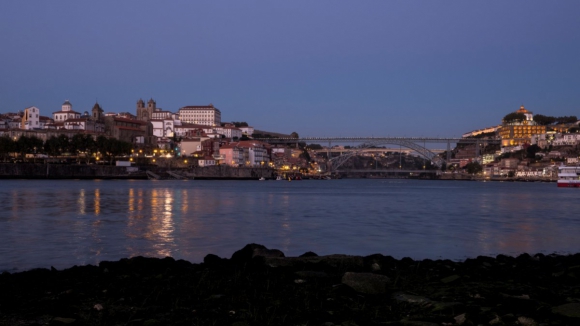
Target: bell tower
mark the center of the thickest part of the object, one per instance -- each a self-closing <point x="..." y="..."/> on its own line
<point x="142" y="113"/>
<point x="97" y="112"/>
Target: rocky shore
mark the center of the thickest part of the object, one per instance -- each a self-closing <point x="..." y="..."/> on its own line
<point x="259" y="286"/>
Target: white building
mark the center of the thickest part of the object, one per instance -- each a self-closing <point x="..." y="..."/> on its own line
<point x="163" y="128"/>
<point x="30" y="118"/>
<point x="207" y="161"/>
<point x="257" y="152"/>
<point x="201" y="114"/>
<point x="229" y="132"/>
<point x="566" y="139"/>
<point x="248" y="131"/>
<point x="65" y="113"/>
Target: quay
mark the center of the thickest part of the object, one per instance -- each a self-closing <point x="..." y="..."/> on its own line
<point x="83" y="171"/>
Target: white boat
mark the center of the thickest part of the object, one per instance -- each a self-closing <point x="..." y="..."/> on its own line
<point x="279" y="178"/>
<point x="262" y="179"/>
<point x="569" y="176"/>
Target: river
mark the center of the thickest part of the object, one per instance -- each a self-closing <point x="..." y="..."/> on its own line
<point x="63" y="223"/>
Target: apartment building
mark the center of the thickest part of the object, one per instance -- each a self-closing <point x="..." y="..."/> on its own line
<point x="207" y="115"/>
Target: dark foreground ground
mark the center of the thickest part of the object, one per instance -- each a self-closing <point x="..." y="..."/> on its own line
<point x="257" y="286"/>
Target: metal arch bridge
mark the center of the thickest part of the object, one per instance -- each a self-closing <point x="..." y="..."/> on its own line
<point x="367" y="142"/>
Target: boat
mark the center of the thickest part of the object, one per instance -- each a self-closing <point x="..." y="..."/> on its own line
<point x="262" y="179"/>
<point x="569" y="176"/>
<point x="279" y="178"/>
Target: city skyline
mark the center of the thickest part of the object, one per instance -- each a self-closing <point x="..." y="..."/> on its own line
<point x="320" y="69"/>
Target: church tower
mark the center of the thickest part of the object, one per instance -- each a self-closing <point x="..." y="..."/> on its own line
<point x="141" y="111"/>
<point x="97" y="112"/>
<point x="151" y="107"/>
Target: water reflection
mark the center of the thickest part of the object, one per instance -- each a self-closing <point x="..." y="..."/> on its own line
<point x="86" y="221"/>
<point x="81" y="202"/>
<point x="97" y="201"/>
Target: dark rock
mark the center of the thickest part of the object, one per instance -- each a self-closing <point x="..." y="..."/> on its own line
<point x="367" y="283"/>
<point x="331" y="262"/>
<point x="451" y="278"/>
<point x="212" y="259"/>
<point x="311" y="274"/>
<point x="410" y="298"/>
<point x="316" y="290"/>
<point x="268" y="253"/>
<point x="246" y="254"/>
<point x="308" y="254"/>
<point x="568" y="310"/>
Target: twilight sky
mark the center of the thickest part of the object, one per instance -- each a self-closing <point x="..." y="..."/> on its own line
<point x="320" y="68"/>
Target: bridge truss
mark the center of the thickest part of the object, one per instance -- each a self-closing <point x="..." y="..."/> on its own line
<point x="413" y="143"/>
<point x="336" y="162"/>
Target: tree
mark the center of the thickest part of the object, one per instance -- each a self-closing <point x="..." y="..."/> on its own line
<point x="240" y="123"/>
<point x="57" y="145"/>
<point x="514" y="117"/>
<point x="314" y="146"/>
<point x="473" y="168"/>
<point x="305" y="155"/>
<point x="25" y="145"/>
<point x="532" y="150"/>
<point x="566" y="119"/>
<point x="7" y="146"/>
<point x="82" y="143"/>
<point x="544" y="120"/>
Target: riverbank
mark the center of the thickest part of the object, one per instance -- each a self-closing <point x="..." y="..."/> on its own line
<point x="259" y="286"/>
<point x="83" y="171"/>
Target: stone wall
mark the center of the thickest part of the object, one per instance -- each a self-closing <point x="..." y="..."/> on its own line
<point x="66" y="171"/>
<point x="228" y="172"/>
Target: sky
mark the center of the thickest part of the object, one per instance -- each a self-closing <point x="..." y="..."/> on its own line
<point x="319" y="68"/>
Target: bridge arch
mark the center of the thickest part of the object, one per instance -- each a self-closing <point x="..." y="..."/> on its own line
<point x="336" y="162"/>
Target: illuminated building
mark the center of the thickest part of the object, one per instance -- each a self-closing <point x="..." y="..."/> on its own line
<point x="515" y="132"/>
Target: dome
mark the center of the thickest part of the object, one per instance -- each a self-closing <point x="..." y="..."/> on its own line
<point x="522" y="110"/>
<point x="67" y="103"/>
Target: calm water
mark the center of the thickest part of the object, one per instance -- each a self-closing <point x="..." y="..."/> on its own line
<point x="65" y="223"/>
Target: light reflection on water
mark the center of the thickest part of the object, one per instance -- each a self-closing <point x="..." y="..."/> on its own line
<point x="44" y="223"/>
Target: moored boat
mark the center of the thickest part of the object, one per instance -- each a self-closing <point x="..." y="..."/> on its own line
<point x="569" y="176"/>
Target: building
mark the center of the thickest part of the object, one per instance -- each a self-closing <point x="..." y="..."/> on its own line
<point x="513" y="133"/>
<point x="128" y="130"/>
<point x="65" y="113"/>
<point x="30" y="118"/>
<point x="234" y="155"/>
<point x="146" y="113"/>
<point x="258" y="152"/>
<point x="93" y="122"/>
<point x="229" y="131"/>
<point x="206" y="115"/>
<point x="488" y="130"/>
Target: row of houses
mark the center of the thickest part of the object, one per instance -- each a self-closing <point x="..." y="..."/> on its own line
<point x="194" y="131"/>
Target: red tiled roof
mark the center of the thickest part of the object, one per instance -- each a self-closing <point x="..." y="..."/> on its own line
<point x="71" y="111"/>
<point x="129" y="128"/>
<point x="198" y="107"/>
<point x="130" y="120"/>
